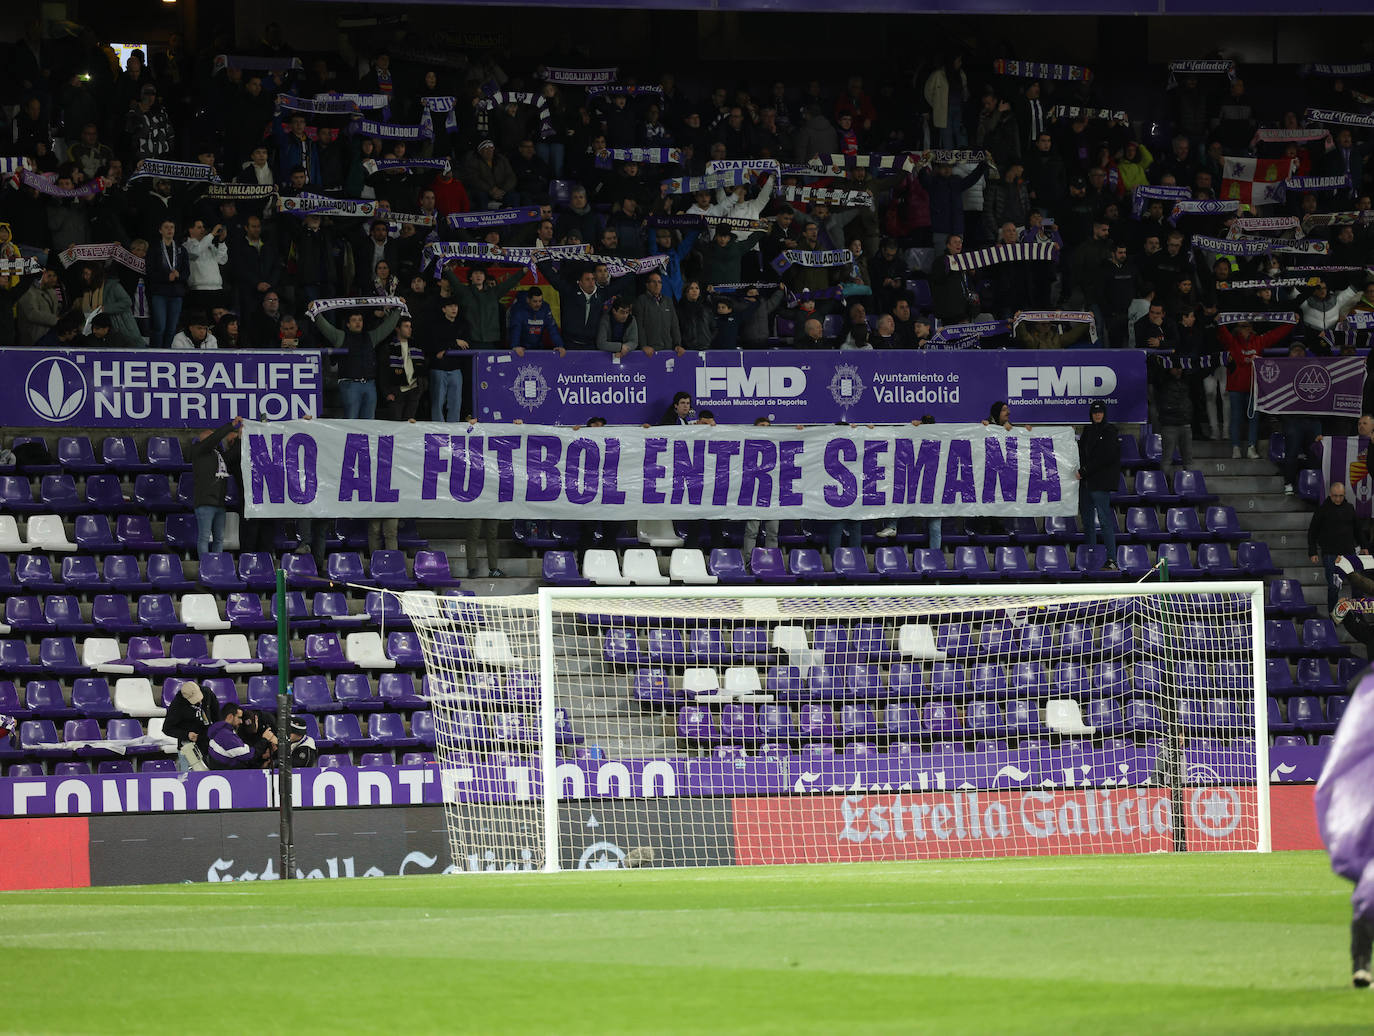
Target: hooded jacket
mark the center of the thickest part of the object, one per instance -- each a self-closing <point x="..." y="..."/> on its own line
<point x="1099" y="456"/>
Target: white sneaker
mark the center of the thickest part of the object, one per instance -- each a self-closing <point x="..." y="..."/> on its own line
<point x="1252" y="453"/>
<point x="888" y="530"/>
<point x="1361" y="978"/>
<point x="1288" y="489"/>
<point x="1235" y="453"/>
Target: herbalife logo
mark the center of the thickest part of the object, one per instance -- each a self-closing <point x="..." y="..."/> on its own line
<point x="56" y="389"/>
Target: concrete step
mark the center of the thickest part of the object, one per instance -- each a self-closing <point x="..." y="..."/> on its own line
<point x="1245" y="486"/>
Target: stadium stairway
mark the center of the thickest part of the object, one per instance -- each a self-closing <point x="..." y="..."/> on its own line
<point x="1255" y="489"/>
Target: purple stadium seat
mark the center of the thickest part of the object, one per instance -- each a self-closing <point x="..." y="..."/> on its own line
<point x="397" y="691"/>
<point x="1348" y="669"/>
<point x="620" y="646"/>
<point x="1191" y="488"/>
<point x="905" y="680"/>
<point x="104" y="493"/>
<point x="164" y="454"/>
<point x="387" y="569"/>
<point x="1063" y="529"/>
<point x="1279" y="724"/>
<point x="93" y="533"/>
<point x="1052" y="562"/>
<point x="784" y="682"/>
<point x="971" y="562"/>
<point x="696" y="724"/>
<point x="806" y="564"/>
<point x="739" y="724"/>
<point x="181" y="532"/>
<point x="63" y="611"/>
<point x="353" y="691"/>
<point x="43" y="698"/>
<point x="388" y="728"/>
<point x="217" y="572"/>
<point x="1104" y="716"/>
<point x="245" y="614"/>
<point x="1278" y="678"/>
<point x="16" y="496"/>
<point x="121" y="572"/>
<point x="1253" y="558"/>
<point x="1142" y="717"/>
<point x="1088" y="562"/>
<point x="1319" y="638"/>
<point x="1286" y="598"/>
<point x="403" y="648"/>
<point x="1180" y="561"/>
<point x="1012" y="563"/>
<point x="120" y="453"/>
<point x="432" y="569"/>
<point x="851" y="565"/>
<point x="1133" y="559"/>
<point x="157" y="613"/>
<point x="1028" y="681"/>
<point x="384" y="608"/>
<point x="135" y="532"/>
<point x="1181" y="523"/>
<point x="324" y="653"/>
<point x="560" y="569"/>
<point x="299" y="568"/>
<point x="266" y="653"/>
<point x="25" y="615"/>
<point x="816" y="722"/>
<point x="59" y="657"/>
<point x="153" y="494"/>
<point x="667" y="645"/>
<point x="57" y="495"/>
<point x="342" y="730"/>
<point x="165" y="574"/>
<point x="1305" y="713"/>
<point x="1125" y="496"/>
<point x="376" y="760"/>
<point x="1222" y="524"/>
<point x="651" y="687"/>
<point x="91" y="697"/>
<point x="1315" y="677"/>
<point x="257" y="570"/>
<point x="1215" y="561"/>
<point x="346" y="567"/>
<point x="261" y="695"/>
<point x="863" y="682"/>
<point x="857" y="721"/>
<point x="989" y="681"/>
<point x="774" y="723"/>
<point x="296" y="611"/>
<point x="10" y="704"/>
<point x="38" y="737"/>
<point x="1131" y="455"/>
<point x="833" y="642"/>
<point x="749" y="645"/>
<point x="727" y="565"/>
<point x="81" y="572"/>
<point x="940" y="717"/>
<point x="14" y="659"/>
<point x="33" y="572"/>
<point x="930" y="564"/>
<point x="893" y="563"/>
<point x="826" y="682"/>
<point x="768" y="565"/>
<point x="707" y="646"/>
<point x="311" y="694"/>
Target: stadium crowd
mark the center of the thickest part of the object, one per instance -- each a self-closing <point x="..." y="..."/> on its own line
<point x="232" y="201"/>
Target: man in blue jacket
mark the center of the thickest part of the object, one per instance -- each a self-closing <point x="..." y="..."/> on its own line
<point x="532" y="325"/>
<point x="227" y="750"/>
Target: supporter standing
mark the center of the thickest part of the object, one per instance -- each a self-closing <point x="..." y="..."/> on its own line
<point x="1099" y="472"/>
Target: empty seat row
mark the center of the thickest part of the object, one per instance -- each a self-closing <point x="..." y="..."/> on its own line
<point x="58" y="494"/>
<point x="119" y="453"/>
<point x="1306" y="713"/>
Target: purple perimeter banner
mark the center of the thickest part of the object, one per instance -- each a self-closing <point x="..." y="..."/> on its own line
<point x="1310" y="385"/>
<point x="156" y="388"/>
<point x="791" y="386"/>
<point x="637" y="779"/>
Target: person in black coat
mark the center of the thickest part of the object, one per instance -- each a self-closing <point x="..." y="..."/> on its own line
<point x="189" y="715"/>
<point x="1334" y="531"/>
<point x="210" y="481"/>
<point x="1099" y="472"/>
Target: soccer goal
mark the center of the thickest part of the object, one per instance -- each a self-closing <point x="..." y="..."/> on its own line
<point x="681" y="726"/>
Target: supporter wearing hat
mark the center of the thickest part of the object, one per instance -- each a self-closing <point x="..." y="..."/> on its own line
<point x="489" y="178"/>
<point x="1099" y="471"/>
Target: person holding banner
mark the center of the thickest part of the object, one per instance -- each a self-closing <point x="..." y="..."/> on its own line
<point x="1244" y="345"/>
<point x="358" y="365"/>
<point x="480" y="302"/>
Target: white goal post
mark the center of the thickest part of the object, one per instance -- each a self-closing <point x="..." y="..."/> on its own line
<point x="687" y="725"/>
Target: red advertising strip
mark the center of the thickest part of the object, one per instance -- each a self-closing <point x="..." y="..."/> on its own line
<point x="1294" y="817"/>
<point x="47" y="853"/>
<point x="828" y="828"/>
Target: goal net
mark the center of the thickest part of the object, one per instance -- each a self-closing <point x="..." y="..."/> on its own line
<point x="681" y="726"/>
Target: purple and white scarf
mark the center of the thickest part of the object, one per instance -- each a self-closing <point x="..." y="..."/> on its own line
<point x="1293" y="136"/>
<point x="307" y="204"/>
<point x="393" y="131"/>
<point x="1317" y="183"/>
<point x="1039" y="251"/>
<point x="1056" y="316"/>
<point x="1270" y="283"/>
<point x="381" y="165"/>
<point x="496" y="98"/>
<point x="578" y="76"/>
<point x="44" y="183"/>
<point x="1041" y="70"/>
<point x="19" y="267"/>
<point x="644" y="155"/>
<point x="101" y="253"/>
<point x="187" y="172"/>
<point x="828" y="196"/>
<point x="438" y="253"/>
<point x="790" y="257"/>
<point x="1235" y="246"/>
<point x="904" y="162"/>
<point x="1331" y="117"/>
<point x="239" y="191"/>
<point x="966" y="336"/>
<point x="365" y="102"/>
<point x="1362" y="68"/>
<point x="619" y="266"/>
<point x="357" y="302"/>
<point x="1144" y="194"/>
<point x="1206" y="207"/>
<point x="623" y="90"/>
<point x="445" y="106"/>
<point x="1265" y="224"/>
<point x="758" y="165"/>
<point x="1200" y="68"/>
<point x="1071" y="112"/>
<point x="324" y="105"/>
<point x="493" y="218"/>
<point x="1255" y="318"/>
<point x="692" y="184"/>
<point x="1338" y="219"/>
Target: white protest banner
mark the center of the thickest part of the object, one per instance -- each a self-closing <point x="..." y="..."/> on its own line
<point x="379" y="469"/>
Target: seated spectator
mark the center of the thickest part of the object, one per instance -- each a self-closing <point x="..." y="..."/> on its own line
<point x="38" y="308"/>
<point x="196" y="334"/>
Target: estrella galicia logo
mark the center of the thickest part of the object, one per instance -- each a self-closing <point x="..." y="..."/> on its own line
<point x="1312" y="383"/>
<point x="846" y="386"/>
<point x="530" y="387"/>
<point x="56" y="389"/>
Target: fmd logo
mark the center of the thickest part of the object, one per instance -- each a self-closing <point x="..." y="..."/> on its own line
<point x="1060" y="381"/>
<point x="56" y="389"/>
<point x="758" y="383"/>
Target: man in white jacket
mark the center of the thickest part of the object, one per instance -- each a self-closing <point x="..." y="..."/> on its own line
<point x="196" y="335"/>
<point x="1323" y="310"/>
<point x="208" y="253"/>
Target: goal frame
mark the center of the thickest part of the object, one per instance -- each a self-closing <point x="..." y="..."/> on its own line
<point x="548" y="595"/>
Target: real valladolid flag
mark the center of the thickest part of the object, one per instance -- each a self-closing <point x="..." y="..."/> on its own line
<point x="1344" y="460"/>
<point x="1255" y="181"/>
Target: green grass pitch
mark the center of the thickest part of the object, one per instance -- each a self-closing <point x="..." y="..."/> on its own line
<point x="1186" y="944"/>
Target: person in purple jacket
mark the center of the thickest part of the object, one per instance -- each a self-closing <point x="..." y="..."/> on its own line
<point x="227" y="750"/>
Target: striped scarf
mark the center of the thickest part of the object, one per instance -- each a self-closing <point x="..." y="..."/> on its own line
<point x="1294" y="136"/>
<point x="100" y="253"/>
<point x="439" y="253"/>
<point x="1362" y="68"/>
<point x="439" y="106"/>
<point x="19" y="267"/>
<point x="1039" y="251"/>
<point x="623" y="90"/>
<point x="1144" y="194"/>
<point x="393" y="131"/>
<point x="492" y="218"/>
<point x="190" y="172"/>
<point x="306" y="204"/>
<point x="496" y="98"/>
<point x="759" y="165"/>
<point x="645" y="155"/>
<point x="1338" y="219"/>
<point x="1188" y="361"/>
<point x="1271" y="283"/>
<point x="44" y="183"/>
<point x="1056" y="316"/>
<point x="578" y="76"/>
<point x="1069" y="111"/>
<point x="828" y="196"/>
<point x="1203" y="208"/>
<point x="1041" y="70"/>
<point x="1235" y="317"/>
<point x="1264" y="224"/>
<point x="239" y="191"/>
<point x="317" y="105"/>
<point x="790" y="257"/>
<point x="358" y="302"/>
<point x="1317" y="183"/>
<point x="692" y="184"/>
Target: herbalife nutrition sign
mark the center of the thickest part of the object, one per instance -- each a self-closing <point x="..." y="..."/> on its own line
<point x="123" y="388"/>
